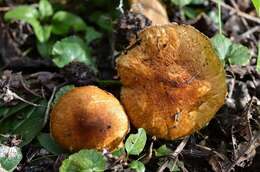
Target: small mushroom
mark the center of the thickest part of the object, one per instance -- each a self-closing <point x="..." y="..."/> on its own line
<point x="88" y="117"/>
<point x="173" y="82"/>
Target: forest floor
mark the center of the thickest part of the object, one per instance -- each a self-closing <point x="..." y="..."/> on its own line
<point x="229" y="142"/>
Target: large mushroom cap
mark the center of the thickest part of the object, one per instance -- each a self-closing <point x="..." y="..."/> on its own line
<point x="88" y="117"/>
<point x="173" y="82"/>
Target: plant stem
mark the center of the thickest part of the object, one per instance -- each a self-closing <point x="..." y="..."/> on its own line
<point x="219" y="17"/>
<point x="258" y="59"/>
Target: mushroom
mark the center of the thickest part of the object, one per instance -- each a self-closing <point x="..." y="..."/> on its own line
<point x="88" y="117"/>
<point x="173" y="82"/>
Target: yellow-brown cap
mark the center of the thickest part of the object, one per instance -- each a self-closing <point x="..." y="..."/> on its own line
<point x="88" y="117"/>
<point x="173" y="82"/>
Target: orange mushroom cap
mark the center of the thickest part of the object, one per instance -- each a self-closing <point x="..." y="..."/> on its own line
<point x="173" y="82"/>
<point x="88" y="117"/>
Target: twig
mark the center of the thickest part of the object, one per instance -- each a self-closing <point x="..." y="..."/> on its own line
<point x="244" y="22"/>
<point x="180" y="147"/>
<point x="49" y="107"/>
<point x="248" y="117"/>
<point x="120" y="6"/>
<point x="175" y="154"/>
<point x="248" y="32"/>
<point x="238" y="12"/>
<point x="9" y="95"/>
<point x="163" y="167"/>
<point x="3" y="9"/>
<point x="252" y="145"/>
<point x="150" y="153"/>
<point x="26" y="88"/>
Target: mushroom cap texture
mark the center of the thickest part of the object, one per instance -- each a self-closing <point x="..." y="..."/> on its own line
<point x="173" y="82"/>
<point x="88" y="117"/>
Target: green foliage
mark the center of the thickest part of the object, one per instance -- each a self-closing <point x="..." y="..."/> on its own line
<point x="71" y="49"/>
<point x="118" y="152"/>
<point x="137" y="166"/>
<point x="62" y="91"/>
<point x="45" y="9"/>
<point x="42" y="33"/>
<point x="135" y="143"/>
<point x="162" y="151"/>
<point x="45" y="48"/>
<point x="92" y="160"/>
<point x="9" y="158"/>
<point x="28" y="124"/>
<point x="49" y="144"/>
<point x="7" y="112"/>
<point x="46" y="23"/>
<point x="102" y="20"/>
<point x="181" y="3"/>
<point x="238" y="54"/>
<point x="63" y="21"/>
<point x="257" y="6"/>
<point x="185" y="10"/>
<point x="173" y="167"/>
<point x="84" y="160"/>
<point x="91" y="35"/>
<point x="23" y="13"/>
<point x="229" y="51"/>
<point x="258" y="59"/>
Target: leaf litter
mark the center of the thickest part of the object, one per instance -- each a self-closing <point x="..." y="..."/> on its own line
<point x="229" y="142"/>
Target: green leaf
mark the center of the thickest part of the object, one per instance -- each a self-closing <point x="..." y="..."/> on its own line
<point x="221" y="45"/>
<point x="6" y="112"/>
<point x="49" y="144"/>
<point x="71" y="49"/>
<point x="162" y="151"/>
<point x="190" y="12"/>
<point x="258" y="59"/>
<point x="102" y="20"/>
<point x="181" y="3"/>
<point x="137" y="166"/>
<point x="61" y="92"/>
<point x="29" y="14"/>
<point x="23" y="13"/>
<point x="42" y="32"/>
<point x="84" y="160"/>
<point x="235" y="54"/>
<point x="257" y="6"/>
<point x="45" y="48"/>
<point x="9" y="157"/>
<point x="135" y="143"/>
<point x="91" y="35"/>
<point x="118" y="152"/>
<point x="27" y="123"/>
<point x="173" y="167"/>
<point x="45" y="9"/>
<point x="238" y="54"/>
<point x="197" y="1"/>
<point x="63" y="21"/>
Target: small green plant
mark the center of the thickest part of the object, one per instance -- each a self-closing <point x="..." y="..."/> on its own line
<point x="258" y="59"/>
<point x="9" y="158"/>
<point x="228" y="51"/>
<point x="256" y="3"/>
<point x="45" y="23"/>
<point x="92" y="160"/>
<point x="187" y="11"/>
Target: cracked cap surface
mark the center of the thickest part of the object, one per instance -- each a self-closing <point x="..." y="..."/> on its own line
<point x="173" y="82"/>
